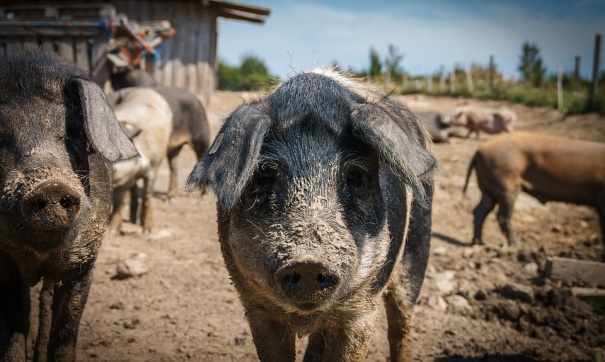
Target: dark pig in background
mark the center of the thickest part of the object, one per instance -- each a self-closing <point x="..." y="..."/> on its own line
<point x="548" y="168"/>
<point x="132" y="78"/>
<point x="58" y="136"/>
<point x="324" y="193"/>
<point x="189" y="126"/>
<point x="438" y="125"/>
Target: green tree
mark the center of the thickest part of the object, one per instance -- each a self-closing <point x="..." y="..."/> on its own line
<point x="251" y="64"/>
<point x="375" y="65"/>
<point x="393" y="62"/>
<point x="251" y="75"/>
<point x="531" y="64"/>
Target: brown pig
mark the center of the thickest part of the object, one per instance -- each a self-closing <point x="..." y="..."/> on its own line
<point x="548" y="168"/>
<point x="488" y="120"/>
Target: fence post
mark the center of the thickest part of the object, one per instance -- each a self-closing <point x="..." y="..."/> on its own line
<point x="469" y="80"/>
<point x="595" y="74"/>
<point x="442" y="82"/>
<point x="559" y="87"/>
<point x="429" y="84"/>
<point x="491" y="71"/>
<point x="576" y="71"/>
<point x="453" y="80"/>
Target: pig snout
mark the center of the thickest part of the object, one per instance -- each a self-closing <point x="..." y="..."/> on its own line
<point x="307" y="281"/>
<point x="51" y="206"/>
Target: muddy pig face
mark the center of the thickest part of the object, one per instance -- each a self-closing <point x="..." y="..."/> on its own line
<point x="300" y="181"/>
<point x="311" y="221"/>
<point x="50" y="123"/>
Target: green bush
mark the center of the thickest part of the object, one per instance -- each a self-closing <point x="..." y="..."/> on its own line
<point x="251" y="75"/>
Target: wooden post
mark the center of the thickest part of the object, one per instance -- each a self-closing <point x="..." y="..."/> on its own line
<point x="442" y="81"/>
<point x="576" y="71"/>
<point x="453" y="80"/>
<point x="491" y="72"/>
<point x="387" y="75"/>
<point x="595" y="74"/>
<point x="559" y="87"/>
<point x="469" y="80"/>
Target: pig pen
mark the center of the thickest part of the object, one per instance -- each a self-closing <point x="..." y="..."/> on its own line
<point x="477" y="303"/>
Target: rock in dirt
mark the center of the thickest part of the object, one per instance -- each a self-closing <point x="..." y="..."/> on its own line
<point x="458" y="304"/>
<point x="444" y="282"/>
<point x="131" y="267"/>
<point x="437" y="303"/>
<point x="516" y="291"/>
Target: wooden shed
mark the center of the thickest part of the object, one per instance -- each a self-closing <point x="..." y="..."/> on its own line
<point x="73" y="30"/>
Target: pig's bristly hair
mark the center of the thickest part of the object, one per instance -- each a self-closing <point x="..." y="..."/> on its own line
<point x="342" y="103"/>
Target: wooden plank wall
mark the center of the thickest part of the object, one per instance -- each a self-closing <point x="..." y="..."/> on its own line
<point x="74" y="48"/>
<point x="189" y="58"/>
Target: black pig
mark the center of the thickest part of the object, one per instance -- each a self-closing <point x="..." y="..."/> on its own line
<point x="324" y="192"/>
<point x="57" y="137"/>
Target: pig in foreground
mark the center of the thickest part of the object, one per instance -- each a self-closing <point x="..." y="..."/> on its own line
<point x="189" y="126"/>
<point x="57" y="137"/>
<point x="488" y="120"/>
<point x="548" y="168"/>
<point x="324" y="194"/>
<point x="147" y="119"/>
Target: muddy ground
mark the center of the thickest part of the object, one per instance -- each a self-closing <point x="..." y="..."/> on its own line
<point x="478" y="303"/>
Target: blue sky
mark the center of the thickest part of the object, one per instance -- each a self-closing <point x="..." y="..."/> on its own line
<point x="299" y="35"/>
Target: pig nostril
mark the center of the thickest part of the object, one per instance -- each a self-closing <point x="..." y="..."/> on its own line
<point x="321" y="279"/>
<point x="325" y="281"/>
<point x="292" y="279"/>
<point x="66" y="202"/>
<point x="39" y="206"/>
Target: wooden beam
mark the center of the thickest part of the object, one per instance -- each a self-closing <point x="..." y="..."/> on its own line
<point x="242" y="8"/>
<point x="587" y="292"/>
<point x="590" y="272"/>
<point x="225" y="13"/>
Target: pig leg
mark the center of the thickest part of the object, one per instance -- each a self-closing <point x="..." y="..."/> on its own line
<point x="146" y="214"/>
<point x="505" y="213"/>
<point x="68" y="305"/>
<point x="134" y="203"/>
<point x="399" y="317"/>
<point x="485" y="206"/>
<point x="115" y="220"/>
<point x="45" y="317"/>
<point x="342" y="344"/>
<point x="273" y="340"/>
<point x="14" y="321"/>
<point x="173" y="183"/>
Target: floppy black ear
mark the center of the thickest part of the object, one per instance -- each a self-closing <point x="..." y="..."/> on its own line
<point x="233" y="157"/>
<point x="102" y="128"/>
<point x="404" y="155"/>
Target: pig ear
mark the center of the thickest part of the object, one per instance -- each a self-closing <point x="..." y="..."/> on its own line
<point x="396" y="147"/>
<point x="102" y="128"/>
<point x="233" y="157"/>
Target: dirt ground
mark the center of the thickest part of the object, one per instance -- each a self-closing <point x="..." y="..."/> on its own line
<point x="482" y="303"/>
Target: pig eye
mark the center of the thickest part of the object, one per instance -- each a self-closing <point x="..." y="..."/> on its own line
<point x="266" y="175"/>
<point x="355" y="178"/>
